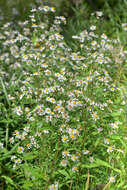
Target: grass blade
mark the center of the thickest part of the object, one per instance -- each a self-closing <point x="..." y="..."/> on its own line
<point x="87" y="183"/>
<point x="5" y="92"/>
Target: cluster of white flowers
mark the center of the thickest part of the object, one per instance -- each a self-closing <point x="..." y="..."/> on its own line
<point x="62" y="99"/>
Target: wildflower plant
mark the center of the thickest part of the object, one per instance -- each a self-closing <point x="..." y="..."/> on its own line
<point x="60" y="106"/>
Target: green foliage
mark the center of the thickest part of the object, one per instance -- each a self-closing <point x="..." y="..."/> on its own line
<point x="63" y="102"/>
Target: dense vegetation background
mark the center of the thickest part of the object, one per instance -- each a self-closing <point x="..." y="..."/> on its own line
<point x="63" y="94"/>
<point x="77" y="13"/>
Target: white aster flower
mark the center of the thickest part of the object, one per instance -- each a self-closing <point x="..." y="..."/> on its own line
<point x="17" y="161"/>
<point x="99" y="13"/>
<point x="93" y="27"/>
<point x="112" y="179"/>
<point x="20" y="149"/>
<point x="75" y="169"/>
<point x="110" y="149"/>
<point x="53" y="186"/>
<point x="65" y="139"/>
<point x="64" y="162"/>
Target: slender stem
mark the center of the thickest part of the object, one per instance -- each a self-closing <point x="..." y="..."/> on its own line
<point x="7" y="130"/>
<point x="106" y="186"/>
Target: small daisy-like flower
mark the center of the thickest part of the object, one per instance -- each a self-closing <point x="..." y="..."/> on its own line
<point x="17" y="161"/>
<point x="33" y="10"/>
<point x="52" y="100"/>
<point x="100" y="60"/>
<point x="61" y="110"/>
<point x="13" y="158"/>
<point x="69" y="106"/>
<point x="124" y="25"/>
<point x="48" y="118"/>
<point x="65" y="153"/>
<point x="110" y="101"/>
<point x="53" y="186"/>
<point x="85" y="151"/>
<point x="93" y="43"/>
<point x="62" y="128"/>
<point x="26" y="129"/>
<point x="48" y="99"/>
<point x="89" y="78"/>
<point x="20" y="149"/>
<point x="95" y="116"/>
<point x="18" y="110"/>
<point x="74" y="102"/>
<point x="46" y="91"/>
<point x="102" y="42"/>
<point x="41" y="111"/>
<point x="119" y="150"/>
<point x="52" y="47"/>
<point x="10" y="97"/>
<point x="17" y="134"/>
<point x="93" y="27"/>
<point x="99" y="13"/>
<point x="73" y="137"/>
<point x="106" y="141"/>
<point x="45" y="131"/>
<point x="79" y="103"/>
<point x="112" y="179"/>
<point x="28" y="146"/>
<point x="47" y="72"/>
<point x="46" y="8"/>
<point x="23" y="136"/>
<point x="74" y="158"/>
<point x="57" y="107"/>
<point x="75" y="132"/>
<point x="110" y="149"/>
<point x="63" y="18"/>
<point x="114" y="125"/>
<point x="14" y="166"/>
<point x="64" y="162"/>
<point x="48" y="110"/>
<point x="91" y="159"/>
<point x="31" y="119"/>
<point x="52" y="9"/>
<point x="57" y="75"/>
<point x="75" y="169"/>
<point x="65" y="138"/>
<point x="52" y="113"/>
<point x="11" y="140"/>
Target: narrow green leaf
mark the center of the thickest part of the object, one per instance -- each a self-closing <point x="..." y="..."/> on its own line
<point x="9" y="180"/>
<point x="99" y="163"/>
<point x="5" y="92"/>
<point x="87" y="183"/>
<point x="29" y="156"/>
<point x="63" y="172"/>
<point x="6" y="155"/>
